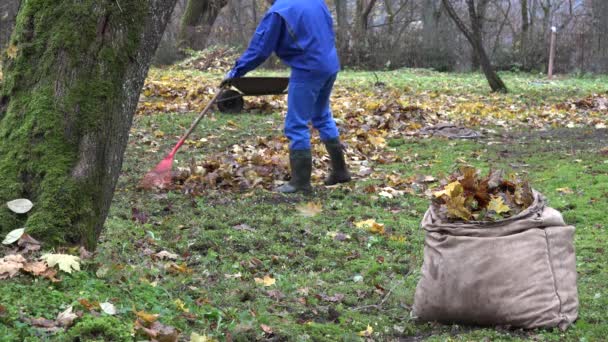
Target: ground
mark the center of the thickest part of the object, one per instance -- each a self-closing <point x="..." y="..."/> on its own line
<point x="321" y="278"/>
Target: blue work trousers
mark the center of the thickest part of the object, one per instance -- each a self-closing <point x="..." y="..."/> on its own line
<point x="308" y="101"/>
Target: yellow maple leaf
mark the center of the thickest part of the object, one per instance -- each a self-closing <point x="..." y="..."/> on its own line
<point x="181" y="305"/>
<point x="367" y="332"/>
<point x="456" y="208"/>
<point x="310" y="209"/>
<point x="498" y="206"/>
<point x="451" y="190"/>
<point x="372" y="226"/>
<point x="266" y="281"/>
<point x="146" y="317"/>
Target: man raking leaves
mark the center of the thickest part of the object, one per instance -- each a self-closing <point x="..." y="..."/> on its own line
<point x="301" y="34"/>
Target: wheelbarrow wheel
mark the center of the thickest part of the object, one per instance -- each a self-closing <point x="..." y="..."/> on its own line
<point x="230" y="101"/>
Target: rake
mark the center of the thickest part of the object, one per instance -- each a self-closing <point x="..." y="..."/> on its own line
<point x="160" y="176"/>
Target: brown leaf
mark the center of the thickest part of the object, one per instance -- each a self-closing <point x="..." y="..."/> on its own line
<point x="10" y="265"/>
<point x="36" y="268"/>
<point x="456" y="208"/>
<point x="28" y="244"/>
<point x="66" y="318"/>
<point x="157" y="331"/>
<point x="146" y="317"/>
<point x="338" y="297"/>
<point x="266" y="329"/>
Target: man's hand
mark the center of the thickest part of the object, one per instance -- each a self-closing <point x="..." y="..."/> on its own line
<point x="226" y="82"/>
<point x="228" y="79"/>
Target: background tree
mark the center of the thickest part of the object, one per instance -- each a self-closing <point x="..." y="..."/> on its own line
<point x="66" y="105"/>
<point x="474" y="36"/>
<point x="198" y="19"/>
<point x="600" y="16"/>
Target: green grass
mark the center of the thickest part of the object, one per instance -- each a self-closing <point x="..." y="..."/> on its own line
<point x="375" y="275"/>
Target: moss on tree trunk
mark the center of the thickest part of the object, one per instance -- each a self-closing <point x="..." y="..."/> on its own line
<point x="66" y="105"/>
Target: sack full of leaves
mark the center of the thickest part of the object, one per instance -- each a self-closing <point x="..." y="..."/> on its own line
<point x="496" y="255"/>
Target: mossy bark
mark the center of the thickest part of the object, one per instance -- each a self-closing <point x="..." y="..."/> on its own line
<point x="197" y="22"/>
<point x="66" y="105"/>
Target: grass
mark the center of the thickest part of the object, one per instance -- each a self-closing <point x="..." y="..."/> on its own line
<point x="326" y="289"/>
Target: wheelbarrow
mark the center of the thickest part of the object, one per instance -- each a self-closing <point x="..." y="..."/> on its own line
<point x="231" y="99"/>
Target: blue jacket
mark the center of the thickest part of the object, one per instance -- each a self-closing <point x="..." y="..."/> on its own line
<point x="301" y="34"/>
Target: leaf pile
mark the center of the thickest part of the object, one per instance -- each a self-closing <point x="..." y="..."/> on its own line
<point x="369" y="117"/>
<point x="219" y="58"/>
<point x="466" y="196"/>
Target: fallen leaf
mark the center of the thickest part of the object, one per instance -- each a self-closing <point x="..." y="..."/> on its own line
<point x="89" y="305"/>
<point x="108" y="308"/>
<point x="181" y="305"/>
<point x="194" y="337"/>
<point x="266" y="329"/>
<point x="451" y="190"/>
<point x="28" y="244"/>
<point x="146" y="317"/>
<point x="457" y="209"/>
<point x="13" y="236"/>
<point x="10" y="265"/>
<point x="266" y="281"/>
<point x="157" y="331"/>
<point x="36" y="268"/>
<point x="565" y="191"/>
<point x="66" y="262"/>
<point x="310" y="209"/>
<point x="66" y="318"/>
<point x="164" y="255"/>
<point x="20" y="206"/>
<point x="367" y="332"/>
<point x="498" y="206"/>
<point x="372" y="226"/>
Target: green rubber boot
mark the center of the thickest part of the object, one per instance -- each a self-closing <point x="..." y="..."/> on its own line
<point x="301" y="167"/>
<point x="339" y="170"/>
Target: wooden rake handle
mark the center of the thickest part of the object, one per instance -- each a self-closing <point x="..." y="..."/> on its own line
<point x="196" y="122"/>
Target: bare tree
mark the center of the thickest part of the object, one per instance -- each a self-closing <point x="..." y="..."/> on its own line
<point x="474" y="36"/>
<point x="198" y="20"/>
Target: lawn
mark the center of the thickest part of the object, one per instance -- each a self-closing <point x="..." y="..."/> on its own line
<point x="250" y="266"/>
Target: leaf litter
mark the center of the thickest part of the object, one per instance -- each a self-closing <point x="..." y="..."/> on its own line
<point x="467" y="196"/>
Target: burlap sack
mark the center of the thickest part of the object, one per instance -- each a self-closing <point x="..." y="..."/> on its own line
<point x="518" y="272"/>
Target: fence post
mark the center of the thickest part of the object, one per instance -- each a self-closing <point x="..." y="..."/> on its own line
<point x="552" y="51"/>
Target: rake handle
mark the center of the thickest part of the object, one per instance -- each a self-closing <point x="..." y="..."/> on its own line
<point x="195" y="123"/>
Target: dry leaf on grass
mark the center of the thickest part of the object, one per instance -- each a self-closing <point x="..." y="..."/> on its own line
<point x="367" y="332"/>
<point x="372" y="226"/>
<point x="66" y="262"/>
<point x="10" y="265"/>
<point x="310" y="209"/>
<point x="266" y="281"/>
<point x="13" y="236"/>
<point x="36" y="268"/>
<point x="165" y="255"/>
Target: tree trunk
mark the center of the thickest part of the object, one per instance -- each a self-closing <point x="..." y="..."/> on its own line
<point x="198" y="20"/>
<point x="8" y="12"/>
<point x="66" y="106"/>
<point x="600" y="13"/>
<point x="478" y="21"/>
<point x="523" y="40"/>
<point x="342" y="28"/>
<point x="474" y="37"/>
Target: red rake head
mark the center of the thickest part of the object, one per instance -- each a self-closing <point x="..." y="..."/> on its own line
<point x="160" y="176"/>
